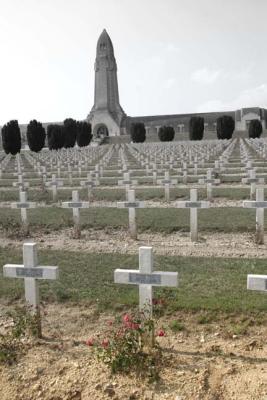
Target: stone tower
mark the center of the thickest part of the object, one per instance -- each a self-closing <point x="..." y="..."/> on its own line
<point x="107" y="116"/>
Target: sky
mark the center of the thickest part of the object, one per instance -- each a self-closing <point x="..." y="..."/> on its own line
<point x="173" y="56"/>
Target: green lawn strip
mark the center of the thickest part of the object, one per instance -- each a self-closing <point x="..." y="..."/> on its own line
<point x="117" y="194"/>
<point x="164" y="220"/>
<point x="204" y="283"/>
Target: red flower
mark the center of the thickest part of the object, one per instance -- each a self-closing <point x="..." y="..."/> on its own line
<point x="126" y="318"/>
<point x="105" y="343"/>
<point x="110" y="322"/>
<point x="155" y="302"/>
<point x="161" y="332"/>
<point x="89" y="342"/>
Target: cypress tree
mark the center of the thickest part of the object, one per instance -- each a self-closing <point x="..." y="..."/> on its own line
<point x="138" y="132"/>
<point x="11" y="137"/>
<point x="166" y="133"/>
<point x="70" y="132"/>
<point x="84" y="133"/>
<point x="255" y="129"/>
<point x="225" y="127"/>
<point x="55" y="137"/>
<point x="35" y="135"/>
<point x="196" y="128"/>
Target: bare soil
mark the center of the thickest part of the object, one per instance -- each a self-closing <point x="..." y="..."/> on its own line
<point x="202" y="362"/>
<point x="118" y="241"/>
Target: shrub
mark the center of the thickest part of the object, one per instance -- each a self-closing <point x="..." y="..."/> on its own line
<point x="196" y="128"/>
<point x="35" y="136"/>
<point x="70" y="132"/>
<point x="84" y="133"/>
<point x="255" y="129"/>
<point x="11" y="138"/>
<point x="166" y="133"/>
<point x="55" y="137"/>
<point x="225" y="127"/>
<point x="128" y="345"/>
<point x="138" y="132"/>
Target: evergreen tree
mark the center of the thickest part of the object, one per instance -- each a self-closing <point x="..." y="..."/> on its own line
<point x="255" y="129"/>
<point x="35" y="135"/>
<point x="84" y="133"/>
<point x="11" y="137"/>
<point x="196" y="128"/>
<point x="225" y="127"/>
<point x="55" y="137"/>
<point x="138" y="132"/>
<point x="70" y="132"/>
<point x="166" y="133"/>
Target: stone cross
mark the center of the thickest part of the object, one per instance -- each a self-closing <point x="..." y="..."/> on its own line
<point x="257" y="282"/>
<point x="131" y="204"/>
<point x="30" y="271"/>
<point x="21" y="184"/>
<point x="76" y="204"/>
<point x="89" y="184"/>
<point x="127" y="182"/>
<point x="209" y="181"/>
<point x="146" y="278"/>
<point x="260" y="205"/>
<point x="167" y="182"/>
<point x="54" y="183"/>
<point x="23" y="205"/>
<point x="193" y="204"/>
<point x="252" y="180"/>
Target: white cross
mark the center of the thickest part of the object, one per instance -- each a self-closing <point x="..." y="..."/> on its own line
<point x="21" y="184"/>
<point x="131" y="204"/>
<point x="257" y="282"/>
<point x="23" y="204"/>
<point x="209" y="181"/>
<point x="76" y="204"/>
<point x="252" y="180"/>
<point x="54" y="183"/>
<point x="146" y="278"/>
<point x="260" y="205"/>
<point x="167" y="182"/>
<point x="89" y="184"/>
<point x="193" y="204"/>
<point x="127" y="182"/>
<point x="30" y="271"/>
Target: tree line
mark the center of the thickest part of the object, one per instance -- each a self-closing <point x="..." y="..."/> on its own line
<point x="225" y="127"/>
<point x="73" y="132"/>
<point x="58" y="136"/>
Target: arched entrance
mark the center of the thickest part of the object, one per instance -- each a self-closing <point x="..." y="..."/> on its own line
<point x="101" y="131"/>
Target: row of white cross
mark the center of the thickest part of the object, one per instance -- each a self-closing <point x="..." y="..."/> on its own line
<point x="132" y="204"/>
<point x="145" y="278"/>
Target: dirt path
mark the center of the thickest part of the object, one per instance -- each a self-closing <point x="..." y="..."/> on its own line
<point x="118" y="241"/>
<point x="202" y="362"/>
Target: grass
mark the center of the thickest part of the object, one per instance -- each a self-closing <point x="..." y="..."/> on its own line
<point x="117" y="194"/>
<point x="204" y="283"/>
<point x="165" y="220"/>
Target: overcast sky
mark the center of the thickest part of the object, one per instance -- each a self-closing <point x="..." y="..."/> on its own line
<point x="173" y="56"/>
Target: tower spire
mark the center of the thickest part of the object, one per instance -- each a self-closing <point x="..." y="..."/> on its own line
<point x="106" y="110"/>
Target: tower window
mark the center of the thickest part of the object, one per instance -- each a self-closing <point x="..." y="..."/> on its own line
<point x="102" y="46"/>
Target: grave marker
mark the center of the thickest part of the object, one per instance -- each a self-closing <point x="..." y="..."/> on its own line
<point x="30" y="271"/>
<point x="23" y="205"/>
<point x="146" y="278"/>
<point x="76" y="204"/>
<point x="257" y="282"/>
<point x="131" y="204"/>
<point x="260" y="205"/>
<point x="193" y="204"/>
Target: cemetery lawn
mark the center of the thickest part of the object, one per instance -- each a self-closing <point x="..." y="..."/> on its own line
<point x="165" y="220"/>
<point x="205" y="283"/>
